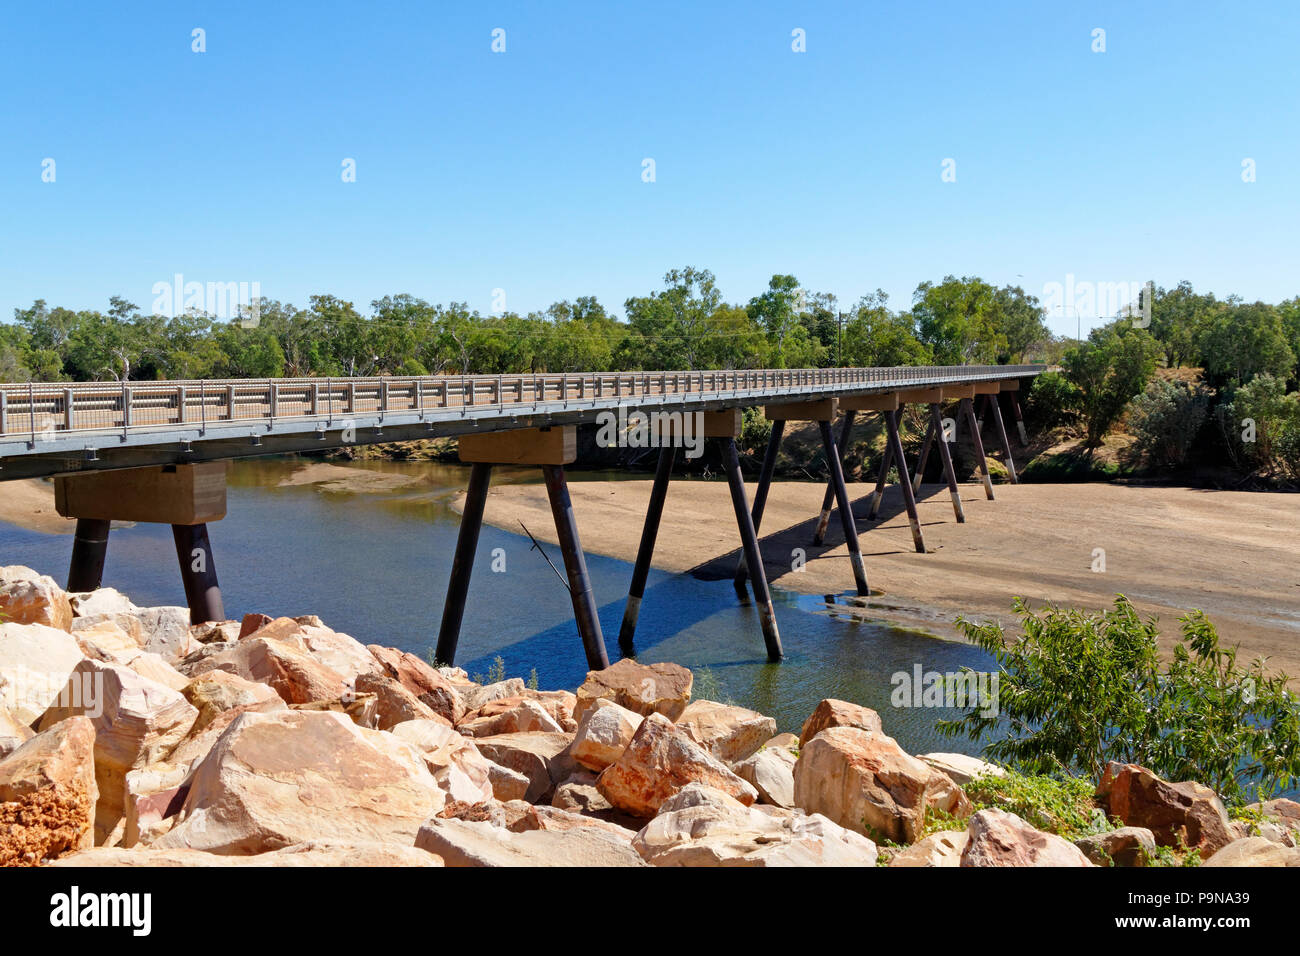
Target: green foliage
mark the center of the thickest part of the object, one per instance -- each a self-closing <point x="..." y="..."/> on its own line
<point x="1078" y="690"/>
<point x="1111" y="367"/>
<point x="1052" y="401"/>
<point x="496" y="672"/>
<point x="1238" y="342"/>
<point x="874" y="335"/>
<point x="1262" y="425"/>
<point x="968" y="321"/>
<point x="1062" y="805"/>
<point x="1165" y="420"/>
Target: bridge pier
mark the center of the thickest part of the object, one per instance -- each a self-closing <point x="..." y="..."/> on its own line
<point x="749" y="545"/>
<point x="995" y="407"/>
<point x="950" y="473"/>
<point x="968" y="410"/>
<point x="645" y="551"/>
<point x="185" y="496"/>
<point x="829" y="497"/>
<point x="760" y="495"/>
<point x="1012" y="391"/>
<point x="551" y="449"/>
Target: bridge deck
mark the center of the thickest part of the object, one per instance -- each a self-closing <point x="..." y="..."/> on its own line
<point x="59" y="428"/>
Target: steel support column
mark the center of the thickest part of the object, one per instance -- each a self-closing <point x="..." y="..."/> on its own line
<point x="949" y="472"/>
<point x="471" y="521"/>
<point x="645" y="552"/>
<point x="749" y="545"/>
<point x="824" y="518"/>
<point x="904" y="482"/>
<point x="198" y="573"/>
<point x="846" y="510"/>
<point x="995" y="407"/>
<point x="584" y="602"/>
<point x="89" y="549"/>
<point x="760" y="494"/>
<point x="968" y="409"/>
<point x="924" y="457"/>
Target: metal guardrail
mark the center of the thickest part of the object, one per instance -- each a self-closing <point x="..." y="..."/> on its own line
<point x="35" y="410"/>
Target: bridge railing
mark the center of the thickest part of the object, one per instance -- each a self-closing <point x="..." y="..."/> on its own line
<point x="33" y="409"/>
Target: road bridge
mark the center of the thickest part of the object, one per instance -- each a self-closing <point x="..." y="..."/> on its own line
<point x="156" y="452"/>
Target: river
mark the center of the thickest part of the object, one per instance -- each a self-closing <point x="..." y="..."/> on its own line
<point x="371" y="557"/>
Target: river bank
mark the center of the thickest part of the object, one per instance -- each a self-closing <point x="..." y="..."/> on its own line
<point x="1234" y="555"/>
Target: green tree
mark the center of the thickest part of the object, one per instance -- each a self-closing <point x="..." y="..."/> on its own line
<point x="874" y="335"/>
<point x="1239" y="341"/>
<point x="1109" y="368"/>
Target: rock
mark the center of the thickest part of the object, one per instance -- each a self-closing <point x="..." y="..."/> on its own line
<point x="943" y="794"/>
<point x="960" y="768"/>
<point x="35" y="662"/>
<point x="252" y="623"/>
<point x="999" y="838"/>
<point x="579" y="794"/>
<point x="137" y="722"/>
<point x="164" y="631"/>
<point x="788" y="742"/>
<point x="771" y="773"/>
<point x="48" y="794"/>
<point x="729" y="733"/>
<point x="216" y="692"/>
<point x="1254" y="851"/>
<point x="938" y="849"/>
<point x="154" y="796"/>
<point x="107" y="642"/>
<point x="315" y="853"/>
<point x="541" y="757"/>
<point x="475" y="696"/>
<point x="864" y="781"/>
<point x="1127" y="846"/>
<point x="13" y="733"/>
<point x="219" y="632"/>
<point x="510" y="715"/>
<point x="30" y="598"/>
<point x="839" y="713"/>
<point x="659" y="761"/>
<point x="298" y="677"/>
<point x="273" y="780"/>
<point x="461" y="771"/>
<point x="507" y="784"/>
<point x="421" y="679"/>
<point x="394" y="704"/>
<point x="1279" y="821"/>
<point x="467" y="843"/>
<point x="642" y="688"/>
<point x="559" y="704"/>
<point x="339" y="652"/>
<point x="702" y="826"/>
<point x="603" y="734"/>
<point x="1189" y="812"/>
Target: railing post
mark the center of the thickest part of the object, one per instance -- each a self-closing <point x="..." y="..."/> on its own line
<point x="67" y="409"/>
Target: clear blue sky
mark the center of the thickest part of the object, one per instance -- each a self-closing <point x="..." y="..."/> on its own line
<point x="522" y="170"/>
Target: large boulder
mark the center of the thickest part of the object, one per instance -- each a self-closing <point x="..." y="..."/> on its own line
<point x="999" y="838"/>
<point x="35" y="663"/>
<point x="316" y="853"/>
<point x="137" y="721"/>
<point x="394" y="704"/>
<point x="462" y="772"/>
<point x="1254" y="851"/>
<point x="1187" y="813"/>
<point x="164" y="631"/>
<point x="863" y="780"/>
<point x="510" y="715"/>
<point x="659" y="761"/>
<point x="960" y="768"/>
<point x="1127" y="846"/>
<point x="703" y="826"/>
<point x="474" y="697"/>
<point x="421" y="679"/>
<point x="48" y="795"/>
<point x="643" y="688"/>
<point x="603" y="734"/>
<point x="839" y="713"/>
<point x="13" y="733"/>
<point x="216" y="692"/>
<point x="507" y="784"/>
<point x="729" y="733"/>
<point x="340" y="653"/>
<point x="541" y="757"/>
<point x="107" y="642"/>
<point x="940" y="849"/>
<point x="297" y="676"/>
<point x="30" y="598"/>
<point x="475" y="843"/>
<point x="276" y="779"/>
<point x="771" y="773"/>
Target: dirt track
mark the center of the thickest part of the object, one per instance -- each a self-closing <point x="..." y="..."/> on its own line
<point x="1236" y="555"/>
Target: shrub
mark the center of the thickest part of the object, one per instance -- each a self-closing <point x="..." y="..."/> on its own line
<point x="1052" y="401"/>
<point x="1111" y="367"/>
<point x="1262" y="424"/>
<point x="1165" y="420"/>
<point x="1079" y="690"/>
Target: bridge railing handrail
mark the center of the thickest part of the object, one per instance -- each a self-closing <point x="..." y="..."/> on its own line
<point x="63" y="407"/>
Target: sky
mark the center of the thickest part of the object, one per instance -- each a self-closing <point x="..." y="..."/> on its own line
<point x="906" y="142"/>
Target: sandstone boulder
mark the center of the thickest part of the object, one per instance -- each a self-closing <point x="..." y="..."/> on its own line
<point x="475" y="696"/>
<point x="603" y="734"/>
<point x="507" y="784"/>
<point x="216" y="692"/>
<point x="839" y="713"/>
<point x="1127" y="846"/>
<point x="729" y="733"/>
<point x="863" y="781"/>
<point x="422" y="679"/>
<point x="469" y="843"/>
<point x="771" y="773"/>
<point x="541" y="757"/>
<point x="30" y="598"/>
<point x="509" y="715"/>
<point x="1254" y="851"/>
<point x="48" y="794"/>
<point x="999" y="838"/>
<point x="297" y="676"/>
<point x="315" y="853"/>
<point x="462" y="772"/>
<point x="938" y="849"/>
<point x="340" y="653"/>
<point x="642" y="688"/>
<point x="35" y="663"/>
<point x="659" y="761"/>
<point x="164" y="631"/>
<point x="13" y="733"/>
<point x="394" y="704"/>
<point x="960" y="768"/>
<point x="1189" y="811"/>
<point x="273" y="780"/>
<point x="137" y="722"/>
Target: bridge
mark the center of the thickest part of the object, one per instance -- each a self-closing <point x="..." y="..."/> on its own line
<point x="157" y="452"/>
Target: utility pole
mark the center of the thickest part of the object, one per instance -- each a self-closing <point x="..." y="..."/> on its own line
<point x="839" y="337"/>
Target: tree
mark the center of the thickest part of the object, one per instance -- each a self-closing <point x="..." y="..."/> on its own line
<point x="876" y="336"/>
<point x="1109" y="368"/>
<point x="955" y="319"/>
<point x="1018" y="324"/>
<point x="1239" y="341"/>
